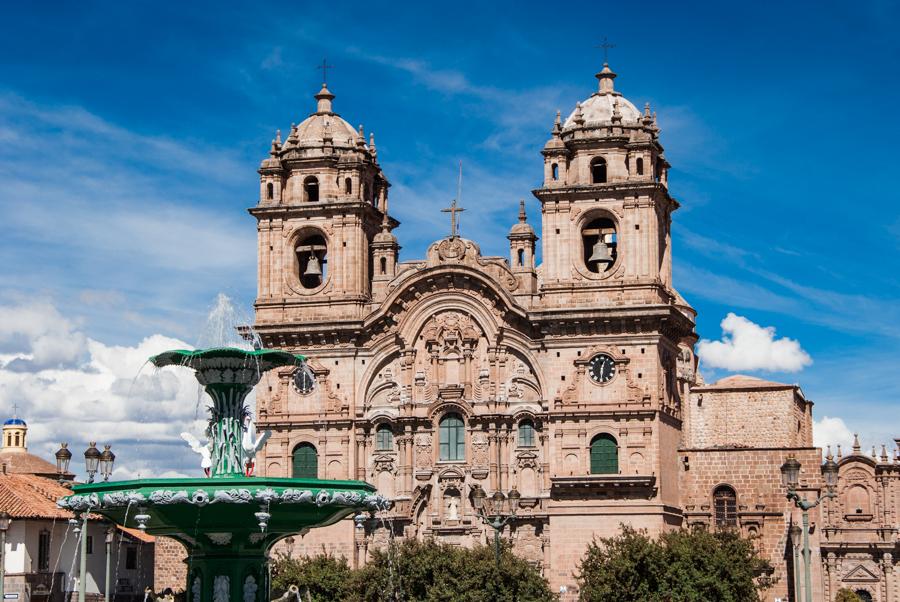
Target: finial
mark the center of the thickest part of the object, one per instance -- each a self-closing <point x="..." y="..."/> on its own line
<point x="840" y="454"/>
<point x="606" y="77"/>
<point x="278" y="137"/>
<point x="874" y="453"/>
<point x="647" y="109"/>
<point x="522" y="216"/>
<point x="856" y="446"/>
<point x="884" y="456"/>
<point x="324" y="98"/>
<point x="557" y="125"/>
<point x="578" y="118"/>
<point x="616" y="114"/>
<point x="274" y="150"/>
<point x="372" y="144"/>
<point x="828" y="455"/>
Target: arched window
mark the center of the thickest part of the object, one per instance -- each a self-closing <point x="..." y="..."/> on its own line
<point x="520" y="257"/>
<point x="17" y="439"/>
<point x="312" y="260"/>
<point x="452" y="437"/>
<point x="600" y="244"/>
<point x="864" y="595"/>
<point x="526" y="434"/>
<point x="598" y="170"/>
<point x="348" y="185"/>
<point x="383" y="265"/>
<point x="311" y="189"/>
<point x="305" y="462"/>
<point x="640" y="166"/>
<point x="604" y="455"/>
<point x="725" y="506"/>
<point x="384" y="438"/>
<point x="555" y="170"/>
<point x="270" y="191"/>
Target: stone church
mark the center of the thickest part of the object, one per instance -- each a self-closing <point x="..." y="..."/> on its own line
<point x="573" y="382"/>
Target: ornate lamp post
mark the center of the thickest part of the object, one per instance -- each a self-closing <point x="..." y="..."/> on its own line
<point x="490" y="511"/>
<point x="790" y="476"/>
<point x="91" y="461"/>
<point x="63" y="457"/>
<point x="107" y="459"/>
<point x="4" y="526"/>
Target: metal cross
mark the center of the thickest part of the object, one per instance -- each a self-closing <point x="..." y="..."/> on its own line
<point x="325" y="67"/>
<point x="452" y="210"/>
<point x="15" y="410"/>
<point x="605" y="46"/>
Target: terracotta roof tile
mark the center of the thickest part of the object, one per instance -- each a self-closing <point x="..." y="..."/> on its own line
<point x="25" y="463"/>
<point x="31" y="496"/>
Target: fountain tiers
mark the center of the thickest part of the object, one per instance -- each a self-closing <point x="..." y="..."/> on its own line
<point x="229" y="522"/>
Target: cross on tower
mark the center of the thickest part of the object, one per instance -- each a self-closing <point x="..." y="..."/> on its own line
<point x="453" y="210"/>
<point x="605" y="46"/>
<point x="15" y="410"/>
<point x="325" y="67"/>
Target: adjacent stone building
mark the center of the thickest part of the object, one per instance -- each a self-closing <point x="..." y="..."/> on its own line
<point x="573" y="381"/>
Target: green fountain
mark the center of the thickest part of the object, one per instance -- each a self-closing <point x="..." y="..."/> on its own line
<point x="229" y="520"/>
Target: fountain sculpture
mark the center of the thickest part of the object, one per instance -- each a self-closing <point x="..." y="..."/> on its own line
<point x="230" y="520"/>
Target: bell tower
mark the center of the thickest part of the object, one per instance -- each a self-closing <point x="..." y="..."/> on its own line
<point x="323" y="201"/>
<point x="605" y="205"/>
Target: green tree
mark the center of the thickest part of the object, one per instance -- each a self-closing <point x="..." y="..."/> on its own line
<point x="679" y="566"/>
<point x="847" y="595"/>
<point x="322" y="578"/>
<point x="416" y="571"/>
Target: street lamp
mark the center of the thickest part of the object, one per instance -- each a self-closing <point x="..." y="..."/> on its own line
<point x="63" y="457"/>
<point x="107" y="459"/>
<point x="790" y="476"/>
<point x="490" y="511"/>
<point x="4" y="526"/>
<point x="91" y="460"/>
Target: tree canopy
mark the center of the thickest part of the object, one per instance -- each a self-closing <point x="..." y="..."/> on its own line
<point x="416" y="571"/>
<point x="678" y="566"/>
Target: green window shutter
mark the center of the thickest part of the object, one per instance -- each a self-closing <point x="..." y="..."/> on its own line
<point x="451" y="435"/>
<point x="305" y="462"/>
<point x="604" y="455"/>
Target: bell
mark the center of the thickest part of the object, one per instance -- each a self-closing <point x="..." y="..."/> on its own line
<point x="312" y="268"/>
<point x="600" y="253"/>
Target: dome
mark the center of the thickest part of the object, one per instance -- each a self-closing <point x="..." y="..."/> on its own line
<point x="600" y="107"/>
<point x="323" y="124"/>
<point x="15" y="422"/>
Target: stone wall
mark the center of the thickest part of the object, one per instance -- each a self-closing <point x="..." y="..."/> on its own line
<point x="169" y="566"/>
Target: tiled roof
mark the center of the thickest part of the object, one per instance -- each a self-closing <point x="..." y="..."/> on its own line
<point x="26" y="496"/>
<point x="31" y="496"/>
<point x="25" y="463"/>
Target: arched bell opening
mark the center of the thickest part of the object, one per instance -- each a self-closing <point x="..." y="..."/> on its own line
<point x="311" y="189"/>
<point x="600" y="243"/>
<point x="312" y="260"/>
<point x="598" y="170"/>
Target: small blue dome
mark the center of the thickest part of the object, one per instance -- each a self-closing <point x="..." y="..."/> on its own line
<point x="15" y="421"/>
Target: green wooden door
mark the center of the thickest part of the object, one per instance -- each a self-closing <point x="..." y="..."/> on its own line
<point x="604" y="455"/>
<point x="305" y="462"/>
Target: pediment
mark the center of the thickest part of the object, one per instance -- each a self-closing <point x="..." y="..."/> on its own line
<point x="860" y="573"/>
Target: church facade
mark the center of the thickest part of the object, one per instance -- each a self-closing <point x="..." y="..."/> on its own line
<point x="573" y="382"/>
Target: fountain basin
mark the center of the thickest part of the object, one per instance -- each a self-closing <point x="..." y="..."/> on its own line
<point x="219" y="521"/>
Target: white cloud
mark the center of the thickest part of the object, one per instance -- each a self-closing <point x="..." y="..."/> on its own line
<point x="749" y="346"/>
<point x="111" y="394"/>
<point x="832" y="431"/>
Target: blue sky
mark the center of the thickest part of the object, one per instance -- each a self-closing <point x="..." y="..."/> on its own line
<point x="130" y="134"/>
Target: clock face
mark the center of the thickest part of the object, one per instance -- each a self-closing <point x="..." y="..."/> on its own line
<point x="602" y="368"/>
<point x="304" y="380"/>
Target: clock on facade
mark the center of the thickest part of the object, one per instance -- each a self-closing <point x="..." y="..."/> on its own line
<point x="304" y="380"/>
<point x="602" y="368"/>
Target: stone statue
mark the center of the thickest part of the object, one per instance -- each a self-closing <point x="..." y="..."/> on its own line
<point x="250" y="588"/>
<point x="205" y="451"/>
<point x="453" y="508"/>
<point x="221" y="587"/>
